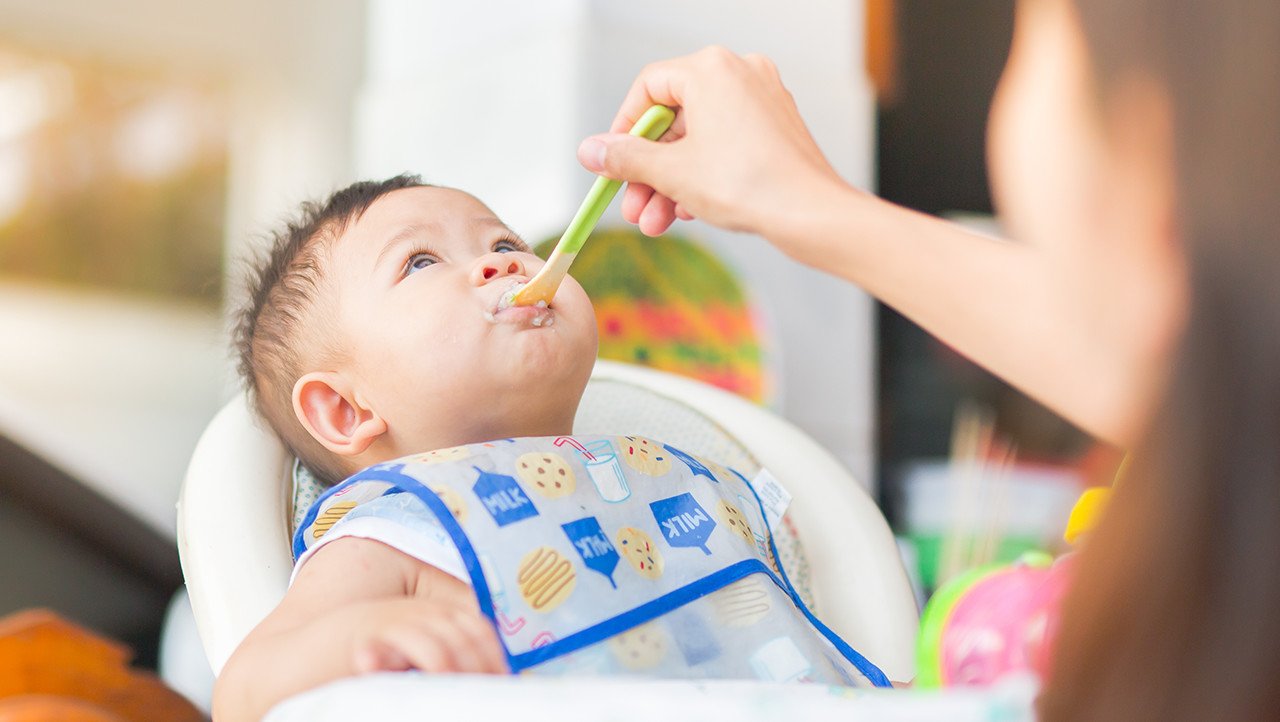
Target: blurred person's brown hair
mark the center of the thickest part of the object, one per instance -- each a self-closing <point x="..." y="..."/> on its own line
<point x="281" y="327"/>
<point x="1173" y="615"/>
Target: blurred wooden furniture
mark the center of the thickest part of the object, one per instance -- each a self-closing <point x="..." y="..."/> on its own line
<point x="882" y="49"/>
<point x="52" y="669"/>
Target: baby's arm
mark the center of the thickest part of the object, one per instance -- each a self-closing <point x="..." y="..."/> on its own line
<point x="356" y="606"/>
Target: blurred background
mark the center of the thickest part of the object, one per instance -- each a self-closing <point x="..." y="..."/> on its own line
<point x="146" y="147"/>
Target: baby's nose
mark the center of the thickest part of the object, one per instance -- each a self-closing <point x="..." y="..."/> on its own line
<point x="496" y="265"/>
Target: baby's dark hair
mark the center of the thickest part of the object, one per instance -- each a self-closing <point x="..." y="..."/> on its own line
<point x="285" y="287"/>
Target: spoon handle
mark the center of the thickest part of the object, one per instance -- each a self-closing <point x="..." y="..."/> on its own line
<point x="542" y="287"/>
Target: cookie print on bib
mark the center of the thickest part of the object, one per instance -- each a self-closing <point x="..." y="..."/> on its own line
<point x="546" y="473"/>
<point x="640" y="552"/>
<point x="440" y="456"/>
<point x="330" y="516"/>
<point x="335" y="505"/>
<point x="642" y="647"/>
<point x="545" y="579"/>
<point x="645" y="456"/>
<point x="453" y="500"/>
<point x="735" y="521"/>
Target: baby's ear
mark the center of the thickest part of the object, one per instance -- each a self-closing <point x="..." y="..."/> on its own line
<point x="333" y="414"/>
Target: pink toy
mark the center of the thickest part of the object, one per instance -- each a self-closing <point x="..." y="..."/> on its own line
<point x="993" y="621"/>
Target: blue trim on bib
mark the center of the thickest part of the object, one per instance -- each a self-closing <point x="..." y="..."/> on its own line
<point x="299" y="546"/>
<point x="869" y="670"/>
<point x="639" y="615"/>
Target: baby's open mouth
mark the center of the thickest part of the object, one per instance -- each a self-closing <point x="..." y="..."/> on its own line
<point x="507" y="312"/>
<point x="509" y="298"/>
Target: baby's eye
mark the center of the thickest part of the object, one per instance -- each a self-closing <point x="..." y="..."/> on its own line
<point x="419" y="261"/>
<point x="509" y="246"/>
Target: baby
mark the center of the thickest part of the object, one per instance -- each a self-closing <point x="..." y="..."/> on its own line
<point x="374" y="332"/>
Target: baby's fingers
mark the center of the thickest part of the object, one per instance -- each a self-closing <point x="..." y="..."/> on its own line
<point x="406" y="647"/>
<point x="449" y="642"/>
<point x="471" y="642"/>
<point x="482" y="639"/>
<point x="377" y="656"/>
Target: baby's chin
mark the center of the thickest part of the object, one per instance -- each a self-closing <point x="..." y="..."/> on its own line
<point x="554" y="359"/>
<point x="544" y="354"/>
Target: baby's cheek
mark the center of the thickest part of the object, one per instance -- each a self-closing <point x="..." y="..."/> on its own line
<point x="574" y="307"/>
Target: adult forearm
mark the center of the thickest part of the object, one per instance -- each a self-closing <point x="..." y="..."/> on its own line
<point x="988" y="298"/>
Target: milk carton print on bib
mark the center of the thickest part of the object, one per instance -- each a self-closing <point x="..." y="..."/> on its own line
<point x="610" y="555"/>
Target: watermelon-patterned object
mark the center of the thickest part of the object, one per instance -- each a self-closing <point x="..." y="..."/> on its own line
<point x="993" y="621"/>
<point x="669" y="304"/>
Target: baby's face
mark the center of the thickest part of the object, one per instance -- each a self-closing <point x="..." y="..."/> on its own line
<point x="418" y="279"/>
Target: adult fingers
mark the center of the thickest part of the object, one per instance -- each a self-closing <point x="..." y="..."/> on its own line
<point x="628" y="158"/>
<point x="662" y="82"/>
<point x="634" y="199"/>
<point x="762" y="66"/>
<point x="657" y="216"/>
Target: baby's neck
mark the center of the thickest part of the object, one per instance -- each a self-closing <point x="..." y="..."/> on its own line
<point x="522" y="428"/>
<point x="477" y="435"/>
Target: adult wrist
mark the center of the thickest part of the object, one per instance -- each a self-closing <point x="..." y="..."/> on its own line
<point x="815" y="220"/>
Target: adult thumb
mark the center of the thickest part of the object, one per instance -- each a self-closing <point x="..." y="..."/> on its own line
<point x="625" y="157"/>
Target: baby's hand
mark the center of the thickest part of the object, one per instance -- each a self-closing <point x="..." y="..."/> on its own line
<point x="436" y="634"/>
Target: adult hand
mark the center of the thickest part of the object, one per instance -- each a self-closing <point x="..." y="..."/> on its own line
<point x="738" y="154"/>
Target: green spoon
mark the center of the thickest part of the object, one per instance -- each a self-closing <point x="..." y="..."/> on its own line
<point x="542" y="287"/>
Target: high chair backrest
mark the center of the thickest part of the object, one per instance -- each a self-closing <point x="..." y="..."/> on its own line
<point x="234" y="513"/>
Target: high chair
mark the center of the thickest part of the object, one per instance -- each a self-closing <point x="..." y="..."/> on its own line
<point x="235" y="512"/>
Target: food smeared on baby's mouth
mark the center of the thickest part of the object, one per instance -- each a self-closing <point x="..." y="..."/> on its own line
<point x="509" y="298"/>
<point x="542" y="317"/>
